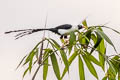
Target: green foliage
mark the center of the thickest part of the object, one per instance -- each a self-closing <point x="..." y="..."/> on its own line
<point x="90" y="66"/>
<point x="81" y="68"/>
<point x="81" y="45"/>
<point x="55" y="66"/>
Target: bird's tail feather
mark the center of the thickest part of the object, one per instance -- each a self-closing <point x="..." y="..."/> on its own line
<point x="24" y="32"/>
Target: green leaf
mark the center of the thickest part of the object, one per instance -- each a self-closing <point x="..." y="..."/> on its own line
<point x="45" y="69"/>
<point x="105" y="78"/>
<point x="71" y="41"/>
<point x="93" y="59"/>
<point x="82" y="39"/>
<point x="119" y="73"/>
<point x="84" y="22"/>
<point x="111" y="72"/>
<point x="81" y="68"/>
<point x="28" y="57"/>
<point x="47" y="53"/>
<point x="94" y="38"/>
<point x="103" y="35"/>
<point x="55" y="44"/>
<point x="111" y="29"/>
<point x="112" y="67"/>
<point x="45" y="66"/>
<point x="55" y="66"/>
<point x="90" y="66"/>
<point x="88" y="35"/>
<point x="63" y="54"/>
<point x="72" y="38"/>
<point x="21" y="61"/>
<point x="99" y="39"/>
<point x="70" y="60"/>
<point x="102" y="50"/>
<point x="110" y="75"/>
<point x="25" y="72"/>
<point x="64" y="58"/>
<point x="31" y="59"/>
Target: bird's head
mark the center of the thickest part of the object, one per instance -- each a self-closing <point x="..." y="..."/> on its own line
<point x="81" y="26"/>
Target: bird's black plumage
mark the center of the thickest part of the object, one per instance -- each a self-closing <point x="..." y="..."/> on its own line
<point x="64" y="26"/>
<point x="54" y="30"/>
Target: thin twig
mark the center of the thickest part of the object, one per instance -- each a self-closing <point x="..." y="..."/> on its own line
<point x="40" y="57"/>
<point x="41" y="49"/>
<point x="36" y="72"/>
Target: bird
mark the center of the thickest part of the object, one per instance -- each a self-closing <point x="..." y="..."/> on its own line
<point x="62" y="30"/>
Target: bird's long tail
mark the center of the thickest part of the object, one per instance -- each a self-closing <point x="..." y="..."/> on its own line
<point x="24" y="32"/>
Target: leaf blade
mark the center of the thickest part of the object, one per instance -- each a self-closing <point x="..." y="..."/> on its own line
<point x="70" y="60"/>
<point x="63" y="54"/>
<point x="90" y="66"/>
<point x="21" y="61"/>
<point x="103" y="35"/>
<point x="55" y="66"/>
<point x="81" y="68"/>
<point x="25" y="72"/>
<point x="45" y="69"/>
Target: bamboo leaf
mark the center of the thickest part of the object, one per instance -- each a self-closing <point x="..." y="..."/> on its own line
<point x="31" y="59"/>
<point x="93" y="59"/>
<point x="64" y="58"/>
<point x="72" y="38"/>
<point x="81" y="68"/>
<point x="94" y="38"/>
<point x="63" y="54"/>
<point x="84" y="22"/>
<point x="105" y="78"/>
<point x="45" y="69"/>
<point x="82" y="39"/>
<point x="103" y="35"/>
<point x="102" y="50"/>
<point x="119" y="73"/>
<point x="111" y="29"/>
<point x="55" y="44"/>
<point x="98" y="41"/>
<point x="21" y="61"/>
<point x="90" y="66"/>
<point x="46" y="54"/>
<point x="55" y="66"/>
<point x="112" y="68"/>
<point x="45" y="66"/>
<point x="25" y="72"/>
<point x="28" y="57"/>
<point x="88" y="35"/>
<point x="110" y="74"/>
<point x="70" y="60"/>
<point x="71" y="41"/>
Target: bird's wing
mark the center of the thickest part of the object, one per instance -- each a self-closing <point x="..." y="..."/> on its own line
<point x="65" y="26"/>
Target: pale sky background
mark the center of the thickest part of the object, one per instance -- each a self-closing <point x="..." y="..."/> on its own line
<point x="22" y="14"/>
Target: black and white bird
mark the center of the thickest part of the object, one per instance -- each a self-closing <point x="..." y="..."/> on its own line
<point x="62" y="30"/>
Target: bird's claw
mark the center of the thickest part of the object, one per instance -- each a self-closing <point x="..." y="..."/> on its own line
<point x="66" y="43"/>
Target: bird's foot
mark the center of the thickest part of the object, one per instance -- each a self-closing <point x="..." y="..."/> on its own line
<point x="66" y="43"/>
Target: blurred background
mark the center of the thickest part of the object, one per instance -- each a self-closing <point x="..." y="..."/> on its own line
<point x="25" y="14"/>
